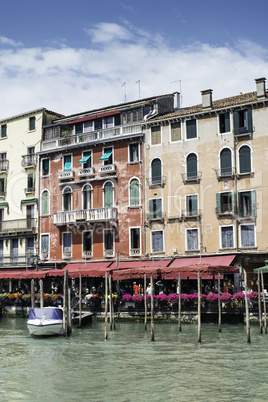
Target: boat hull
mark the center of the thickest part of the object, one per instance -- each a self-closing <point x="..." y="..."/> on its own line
<point x="45" y="328"/>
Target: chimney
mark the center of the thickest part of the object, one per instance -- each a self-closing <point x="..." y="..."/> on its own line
<point x="207" y="99"/>
<point x="260" y="83"/>
<point x="177" y="98"/>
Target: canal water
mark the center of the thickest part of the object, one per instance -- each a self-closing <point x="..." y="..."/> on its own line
<point x="129" y="367"/>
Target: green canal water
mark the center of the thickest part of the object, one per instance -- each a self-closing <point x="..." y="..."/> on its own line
<point x="129" y="367"/>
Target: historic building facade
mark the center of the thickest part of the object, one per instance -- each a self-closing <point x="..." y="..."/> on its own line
<point x="20" y="138"/>
<point x="91" y="187"/>
<point x="206" y="182"/>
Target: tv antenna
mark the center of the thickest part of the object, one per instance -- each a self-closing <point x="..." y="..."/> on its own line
<point x="139" y="82"/>
<point x="125" y="85"/>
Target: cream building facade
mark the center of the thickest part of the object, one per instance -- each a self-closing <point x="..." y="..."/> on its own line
<point x="206" y="182"/>
<point x="20" y="138"/>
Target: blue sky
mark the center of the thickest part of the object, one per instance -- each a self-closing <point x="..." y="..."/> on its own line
<point x="72" y="56"/>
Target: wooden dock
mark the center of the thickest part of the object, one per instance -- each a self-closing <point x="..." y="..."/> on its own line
<point x="86" y="317"/>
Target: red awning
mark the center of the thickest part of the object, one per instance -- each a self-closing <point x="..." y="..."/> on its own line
<point x="140" y="264"/>
<point x="19" y="274"/>
<point x="215" y="260"/>
<point x="135" y="273"/>
<point x="190" y="271"/>
<point x="91" y="269"/>
<point x="95" y="116"/>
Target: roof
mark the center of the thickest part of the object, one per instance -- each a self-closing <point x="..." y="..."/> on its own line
<point x="242" y="99"/>
<point x="30" y="112"/>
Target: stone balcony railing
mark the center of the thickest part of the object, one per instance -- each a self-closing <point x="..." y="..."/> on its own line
<point x="29" y="161"/>
<point x="68" y="175"/>
<point x="93" y="136"/>
<point x="106" y="169"/>
<point x="18" y="225"/>
<point x="86" y="215"/>
<point x="86" y="172"/>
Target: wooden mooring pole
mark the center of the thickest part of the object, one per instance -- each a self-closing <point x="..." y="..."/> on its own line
<point x="145" y="302"/>
<point x="219" y="302"/>
<point x="106" y="306"/>
<point x="247" y="307"/>
<point x="110" y="302"/>
<point x="65" y="302"/>
<point x="80" y="302"/>
<point x="264" y="304"/>
<point x="199" y="305"/>
<point x="32" y="294"/>
<point x="259" y="302"/>
<point x="152" y="308"/>
<point x="179" y="301"/>
<point x="41" y="293"/>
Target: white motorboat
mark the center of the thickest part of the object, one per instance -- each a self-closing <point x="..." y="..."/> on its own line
<point x="45" y="321"/>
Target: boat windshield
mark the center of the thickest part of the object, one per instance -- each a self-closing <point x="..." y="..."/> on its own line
<point x="49" y="313"/>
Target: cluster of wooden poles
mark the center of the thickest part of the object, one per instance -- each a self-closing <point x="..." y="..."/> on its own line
<point x="262" y="320"/>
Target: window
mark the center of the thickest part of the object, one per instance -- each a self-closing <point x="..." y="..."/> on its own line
<point x="45" y="203"/>
<point x="191" y="131"/>
<point x="247" y="233"/>
<point x="67" y="243"/>
<point x="155" y="208"/>
<point x="30" y="156"/>
<point x="1" y="251"/>
<point x="31" y="123"/>
<point x="30" y="216"/>
<point x="247" y="204"/>
<point x="98" y="124"/>
<point x="156" y="171"/>
<point x="3" y="131"/>
<point x="226" y="162"/>
<point x="30" y="183"/>
<point x="134" y="191"/>
<point x="86" y="160"/>
<point x="134" y="152"/>
<point x="175" y="131"/>
<point x="107" y="156"/>
<point x="3" y="185"/>
<point x="67" y="163"/>
<point x="156" y="135"/>
<point x="3" y="162"/>
<point x="52" y="132"/>
<point x="14" y="251"/>
<point x="108" y="195"/>
<point x="224" y="122"/>
<point x="157" y="241"/>
<point x="87" y="242"/>
<point x="191" y="166"/>
<point x="67" y="199"/>
<point x="78" y="128"/>
<point x="245" y="159"/>
<point x="30" y="245"/>
<point x="44" y="243"/>
<point x="88" y="126"/>
<point x="227" y="236"/>
<point x="225" y="202"/>
<point x="87" y="191"/>
<point x="108" y="122"/>
<point x="243" y="121"/>
<point x="135" y="241"/>
<point x="1" y="219"/>
<point x="192" y="241"/>
<point x="192" y="205"/>
<point x="45" y="167"/>
<point x="108" y="239"/>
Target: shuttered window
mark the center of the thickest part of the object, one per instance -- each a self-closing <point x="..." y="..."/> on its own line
<point x="227" y="237"/>
<point x="157" y="241"/>
<point x="226" y="162"/>
<point x="155" y="135"/>
<point x="191" y="131"/>
<point x="247" y="235"/>
<point x="175" y="131"/>
<point x="245" y="159"/>
<point x="134" y="193"/>
<point x="156" y="171"/>
<point x="192" y="239"/>
<point x="155" y="208"/>
<point x="67" y="242"/>
<point x="224" y="122"/>
<point x="108" y="195"/>
<point x="191" y="166"/>
<point x="45" y="203"/>
<point x="192" y="205"/>
<point x="243" y="121"/>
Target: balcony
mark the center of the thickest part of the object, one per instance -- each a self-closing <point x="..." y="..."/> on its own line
<point x="153" y="182"/>
<point x="191" y="177"/>
<point x="157" y="216"/>
<point x="135" y="252"/>
<point x="87" y="172"/>
<point x="29" y="190"/>
<point x="93" y="136"/>
<point x="29" y="161"/>
<point x="68" y="175"/>
<point x="225" y="173"/>
<point x="191" y="214"/>
<point x="87" y="215"/>
<point x="16" y="260"/>
<point x="107" y="169"/>
<point x="66" y="255"/>
<point x="225" y="210"/>
<point x="108" y="253"/>
<point x="4" y="164"/>
<point x="18" y="226"/>
<point x="241" y="132"/>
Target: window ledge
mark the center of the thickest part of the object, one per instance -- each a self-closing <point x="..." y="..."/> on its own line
<point x="45" y="216"/>
<point x="242" y="175"/>
<point x="248" y="247"/>
<point x="227" y="248"/>
<point x="135" y="207"/>
<point x="134" y="163"/>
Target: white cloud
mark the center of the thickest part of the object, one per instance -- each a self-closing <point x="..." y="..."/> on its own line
<point x="69" y="80"/>
<point x="9" y="42"/>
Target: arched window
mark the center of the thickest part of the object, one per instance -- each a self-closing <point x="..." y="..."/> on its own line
<point x="191" y="166"/>
<point x="156" y="170"/>
<point x="86" y="196"/>
<point x="45" y="202"/>
<point x="67" y="199"/>
<point x="226" y="162"/>
<point x="134" y="192"/>
<point x="245" y="159"/>
<point x="108" y="194"/>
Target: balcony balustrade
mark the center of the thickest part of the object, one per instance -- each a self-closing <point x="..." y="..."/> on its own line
<point x="103" y="170"/>
<point x="135" y="252"/>
<point x="18" y="225"/>
<point x="93" y="136"/>
<point x="17" y="260"/>
<point x="4" y="164"/>
<point x="87" y="215"/>
<point x="159" y="181"/>
<point x="191" y="177"/>
<point x="225" y="173"/>
<point x="29" y="161"/>
<point x="87" y="172"/>
<point x="108" y="253"/>
<point x="68" y="175"/>
<point x="191" y="213"/>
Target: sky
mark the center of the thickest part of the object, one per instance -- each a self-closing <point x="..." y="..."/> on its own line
<point x="73" y="56"/>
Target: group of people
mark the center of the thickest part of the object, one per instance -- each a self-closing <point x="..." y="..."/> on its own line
<point x="138" y="289"/>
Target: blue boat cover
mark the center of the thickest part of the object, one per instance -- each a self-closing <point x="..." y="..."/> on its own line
<point x="49" y="313"/>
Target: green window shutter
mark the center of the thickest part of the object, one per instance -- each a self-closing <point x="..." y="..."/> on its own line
<point x="45" y="207"/>
<point x="158" y="208"/>
<point x="192" y="165"/>
<point x="5" y="185"/>
<point x="134" y="192"/>
<point x="226" y="161"/>
<point x="253" y="203"/>
<point x="108" y="195"/>
<point x="227" y="122"/>
<point x="67" y="163"/>
<point x="191" y="129"/>
<point x="194" y="205"/>
<point x="233" y="202"/>
<point x="244" y="159"/>
<point x="240" y="205"/>
<point x="34" y="181"/>
<point x="236" y="122"/>
<point x="151" y="209"/>
<point x="218" y="203"/>
<point x="156" y="171"/>
<point x="249" y="120"/>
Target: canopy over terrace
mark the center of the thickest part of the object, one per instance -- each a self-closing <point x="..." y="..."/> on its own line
<point x="137" y="269"/>
<point x="23" y="274"/>
<point x="92" y="269"/>
<point x="263" y="269"/>
<point x="190" y="271"/>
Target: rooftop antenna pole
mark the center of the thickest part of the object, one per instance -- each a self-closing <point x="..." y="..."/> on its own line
<point x="139" y="82"/>
<point x="124" y="85"/>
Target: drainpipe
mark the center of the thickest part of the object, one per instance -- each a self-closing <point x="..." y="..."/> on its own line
<point x="143" y="196"/>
